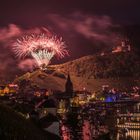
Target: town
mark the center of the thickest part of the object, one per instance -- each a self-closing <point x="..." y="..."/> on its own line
<point x="78" y="114"/>
<point x="69" y="70"/>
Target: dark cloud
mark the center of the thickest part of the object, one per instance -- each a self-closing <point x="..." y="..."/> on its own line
<point x="96" y="29"/>
<point x="31" y="12"/>
<point x="8" y="68"/>
<point x="7" y="33"/>
<point x="85" y="33"/>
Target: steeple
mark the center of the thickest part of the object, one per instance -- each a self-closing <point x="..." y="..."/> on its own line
<point x="69" y="87"/>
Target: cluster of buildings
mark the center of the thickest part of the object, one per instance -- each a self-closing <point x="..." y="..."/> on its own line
<point x="123" y="47"/>
<point x="72" y="98"/>
<point x="46" y="105"/>
<point x="8" y="89"/>
<point x="64" y="101"/>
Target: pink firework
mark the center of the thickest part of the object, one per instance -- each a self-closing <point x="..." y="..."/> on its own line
<point x="41" y="47"/>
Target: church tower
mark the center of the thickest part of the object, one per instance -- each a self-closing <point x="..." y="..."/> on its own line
<point x="69" y="87"/>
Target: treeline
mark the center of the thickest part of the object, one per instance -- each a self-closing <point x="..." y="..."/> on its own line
<point x="107" y="66"/>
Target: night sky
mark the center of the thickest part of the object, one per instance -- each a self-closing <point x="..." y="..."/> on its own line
<point x="87" y="26"/>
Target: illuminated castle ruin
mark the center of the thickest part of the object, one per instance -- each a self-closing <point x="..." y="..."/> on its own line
<point x="124" y="47"/>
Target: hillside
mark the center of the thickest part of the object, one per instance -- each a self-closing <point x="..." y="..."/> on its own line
<point x="120" y="70"/>
<point x="107" y="66"/>
<point x="41" y="79"/>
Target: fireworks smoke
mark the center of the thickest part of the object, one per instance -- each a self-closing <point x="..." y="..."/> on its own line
<point x="41" y="47"/>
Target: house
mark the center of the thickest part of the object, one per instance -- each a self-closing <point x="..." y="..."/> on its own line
<point x="46" y="107"/>
<point x="50" y="124"/>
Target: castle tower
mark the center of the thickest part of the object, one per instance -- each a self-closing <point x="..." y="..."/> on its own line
<point x="69" y="87"/>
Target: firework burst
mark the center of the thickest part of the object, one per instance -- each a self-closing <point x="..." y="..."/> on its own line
<point x="41" y="47"/>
